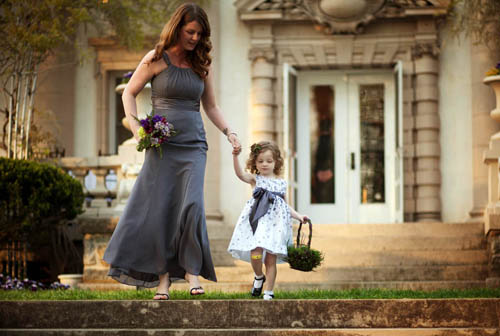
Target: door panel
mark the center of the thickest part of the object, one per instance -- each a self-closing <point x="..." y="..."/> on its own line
<point x="346" y="157"/>
<point x="321" y="151"/>
<point x="371" y="126"/>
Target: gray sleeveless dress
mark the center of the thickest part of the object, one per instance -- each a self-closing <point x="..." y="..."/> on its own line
<point x="163" y="227"/>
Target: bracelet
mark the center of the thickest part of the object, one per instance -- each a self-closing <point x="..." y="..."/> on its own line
<point x="232" y="133"/>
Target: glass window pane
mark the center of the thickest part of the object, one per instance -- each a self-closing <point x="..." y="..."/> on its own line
<point x="322" y="144"/>
<point x="372" y="133"/>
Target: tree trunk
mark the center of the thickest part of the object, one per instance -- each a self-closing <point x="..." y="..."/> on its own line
<point x="28" y="75"/>
<point x="11" y="107"/>
<point x="30" y="111"/>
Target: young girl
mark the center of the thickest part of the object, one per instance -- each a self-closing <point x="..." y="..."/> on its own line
<point x="264" y="228"/>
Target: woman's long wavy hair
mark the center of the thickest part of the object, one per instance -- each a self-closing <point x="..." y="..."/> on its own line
<point x="199" y="58"/>
<point x="261" y="147"/>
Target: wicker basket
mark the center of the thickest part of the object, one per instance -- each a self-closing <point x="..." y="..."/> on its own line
<point x="301" y="256"/>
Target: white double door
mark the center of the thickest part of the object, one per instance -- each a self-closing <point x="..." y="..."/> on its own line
<point x="347" y="161"/>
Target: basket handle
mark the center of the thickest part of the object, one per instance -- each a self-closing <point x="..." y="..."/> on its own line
<point x="310" y="232"/>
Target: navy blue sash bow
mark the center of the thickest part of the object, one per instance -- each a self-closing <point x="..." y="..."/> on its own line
<point x="263" y="198"/>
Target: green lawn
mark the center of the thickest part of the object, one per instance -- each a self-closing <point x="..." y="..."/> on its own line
<point x="301" y="294"/>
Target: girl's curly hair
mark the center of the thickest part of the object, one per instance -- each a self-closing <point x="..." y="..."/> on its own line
<point x="199" y="58"/>
<point x="261" y="147"/>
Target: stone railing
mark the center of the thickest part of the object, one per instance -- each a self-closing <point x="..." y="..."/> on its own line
<point x="100" y="178"/>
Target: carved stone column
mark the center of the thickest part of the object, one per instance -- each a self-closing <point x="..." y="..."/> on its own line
<point x="427" y="125"/>
<point x="408" y="143"/>
<point x="262" y="94"/>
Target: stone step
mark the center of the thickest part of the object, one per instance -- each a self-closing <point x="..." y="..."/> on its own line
<point x="405" y="258"/>
<point x="261" y="332"/>
<point x="245" y="286"/>
<point x="435" y="229"/>
<point x="390" y="243"/>
<point x="383" y="273"/>
<point x="251" y="314"/>
<point x="375" y="243"/>
<point x="218" y="230"/>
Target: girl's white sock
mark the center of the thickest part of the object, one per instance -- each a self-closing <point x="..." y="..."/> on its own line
<point x="258" y="280"/>
<point x="268" y="295"/>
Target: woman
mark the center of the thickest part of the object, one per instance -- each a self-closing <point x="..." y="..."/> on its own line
<point x="162" y="234"/>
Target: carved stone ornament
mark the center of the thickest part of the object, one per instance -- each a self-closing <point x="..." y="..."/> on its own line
<point x="422" y="49"/>
<point x="341" y="16"/>
<point x="267" y="53"/>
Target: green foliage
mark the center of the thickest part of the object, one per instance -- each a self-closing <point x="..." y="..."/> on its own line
<point x="479" y="19"/>
<point x="303" y="258"/>
<point x="361" y="294"/>
<point x="49" y="24"/>
<point x="34" y="198"/>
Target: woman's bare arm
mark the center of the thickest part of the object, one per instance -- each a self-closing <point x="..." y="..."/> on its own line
<point x="214" y="113"/>
<point x="142" y="74"/>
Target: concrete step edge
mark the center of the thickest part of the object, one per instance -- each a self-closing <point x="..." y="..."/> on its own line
<point x="264" y="332"/>
<point x="250" y="314"/>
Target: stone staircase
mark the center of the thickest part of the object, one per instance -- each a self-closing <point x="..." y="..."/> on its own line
<point x="400" y="256"/>
<point x="422" y="256"/>
<point x="433" y="317"/>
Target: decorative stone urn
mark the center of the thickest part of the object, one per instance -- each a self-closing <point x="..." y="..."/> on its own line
<point x="494" y="83"/>
<point x="143" y="101"/>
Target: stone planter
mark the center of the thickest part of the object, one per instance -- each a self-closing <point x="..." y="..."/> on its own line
<point x="143" y="101"/>
<point x="70" y="279"/>
<point x="494" y="83"/>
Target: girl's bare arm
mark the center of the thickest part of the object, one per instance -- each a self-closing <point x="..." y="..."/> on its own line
<point x="296" y="215"/>
<point x="242" y="175"/>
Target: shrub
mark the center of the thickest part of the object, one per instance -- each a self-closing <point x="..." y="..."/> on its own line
<point x="35" y="196"/>
<point x="36" y="199"/>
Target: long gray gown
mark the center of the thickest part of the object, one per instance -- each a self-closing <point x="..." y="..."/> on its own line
<point x="163" y="227"/>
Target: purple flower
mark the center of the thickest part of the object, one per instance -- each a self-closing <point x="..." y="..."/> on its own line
<point x="156" y="118"/>
<point x="498" y="65"/>
<point x="128" y="74"/>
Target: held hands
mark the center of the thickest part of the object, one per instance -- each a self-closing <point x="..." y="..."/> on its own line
<point x="235" y="142"/>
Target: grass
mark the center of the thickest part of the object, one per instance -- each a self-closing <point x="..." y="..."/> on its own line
<point x="78" y="294"/>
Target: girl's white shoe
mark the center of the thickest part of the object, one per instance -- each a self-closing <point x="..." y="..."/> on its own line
<point x="268" y="295"/>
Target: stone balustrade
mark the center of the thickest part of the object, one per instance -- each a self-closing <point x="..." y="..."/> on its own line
<point x="103" y="179"/>
<point x="100" y="177"/>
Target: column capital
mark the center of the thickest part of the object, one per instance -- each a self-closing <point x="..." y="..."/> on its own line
<point x="268" y="53"/>
<point x="420" y="49"/>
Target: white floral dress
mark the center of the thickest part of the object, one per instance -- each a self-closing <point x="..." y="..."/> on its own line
<point x="274" y="229"/>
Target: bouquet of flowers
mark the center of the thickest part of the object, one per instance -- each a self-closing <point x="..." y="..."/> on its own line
<point x="154" y="131"/>
<point x="494" y="71"/>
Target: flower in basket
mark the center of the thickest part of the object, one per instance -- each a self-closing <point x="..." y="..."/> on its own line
<point x="301" y="256"/>
<point x="154" y="131"/>
<point x="494" y="71"/>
